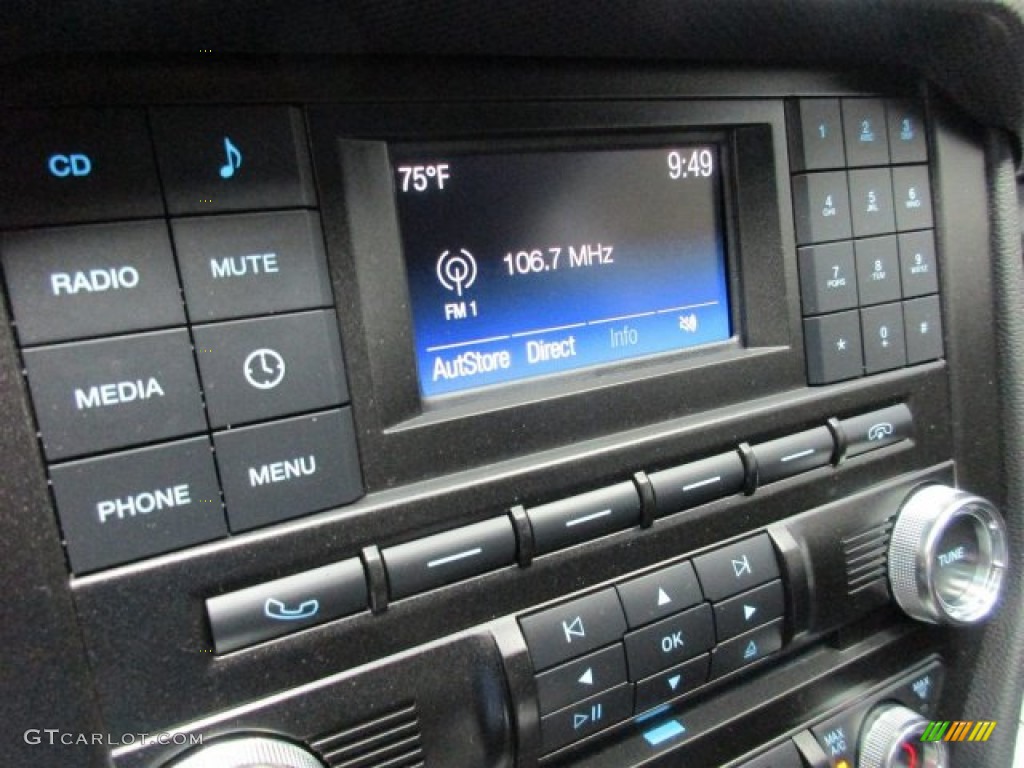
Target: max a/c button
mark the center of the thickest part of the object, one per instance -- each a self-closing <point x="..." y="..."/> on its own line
<point x="137" y="504"/>
<point x="280" y="607"/>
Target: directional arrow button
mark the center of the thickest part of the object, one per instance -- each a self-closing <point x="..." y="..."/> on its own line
<point x="663" y="598"/>
<point x="587" y="678"/>
<point x="673" y="682"/>
<point x="749" y="611"/>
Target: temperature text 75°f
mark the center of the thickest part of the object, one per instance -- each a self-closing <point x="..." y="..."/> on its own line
<point x="420" y="178"/>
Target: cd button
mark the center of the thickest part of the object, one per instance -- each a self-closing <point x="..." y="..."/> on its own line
<point x="280" y="607"/>
<point x="672" y="683"/>
<point x="865" y="131"/>
<point x="746" y="649"/>
<point x="286" y="469"/>
<point x="669" y="642"/>
<point x="232" y="158"/>
<point x="878" y="270"/>
<point x="659" y="594"/>
<point x="137" y="504"/>
<point x="871" y="202"/>
<point x="587" y="516"/>
<point x="922" y="320"/>
<point x="76" y="282"/>
<point x="590" y="716"/>
<point x="833" y="348"/>
<point x="449" y="557"/>
<point x="828" y="281"/>
<point x="917" y="264"/>
<point x="877" y="429"/>
<point x="884" y="345"/>
<point x="251" y="264"/>
<point x="573" y="629"/>
<point x="269" y="367"/>
<point x="793" y="454"/>
<point x="92" y="396"/>
<point x="580" y="679"/>
<point x="822" y="207"/>
<point x="75" y="166"/>
<point x="742" y="613"/>
<point x="737" y="567"/>
<point x="819" y="138"/>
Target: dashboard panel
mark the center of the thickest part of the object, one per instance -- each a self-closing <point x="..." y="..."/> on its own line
<point x="507" y="413"/>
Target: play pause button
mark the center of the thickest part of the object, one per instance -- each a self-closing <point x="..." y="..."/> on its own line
<point x="585" y="718"/>
<point x="751" y="609"/>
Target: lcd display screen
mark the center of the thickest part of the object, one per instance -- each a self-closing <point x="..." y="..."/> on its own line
<point x="528" y="264"/>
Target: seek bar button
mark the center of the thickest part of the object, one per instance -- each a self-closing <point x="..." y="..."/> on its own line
<point x="280" y="607"/>
<point x="737" y="567"/>
<point x="573" y="629"/>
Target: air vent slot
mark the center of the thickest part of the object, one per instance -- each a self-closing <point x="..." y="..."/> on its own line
<point x="391" y="740"/>
<point x="866" y="557"/>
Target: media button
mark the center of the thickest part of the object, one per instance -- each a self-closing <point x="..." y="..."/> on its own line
<point x="659" y="594"/>
<point x="76" y="282"/>
<point x="582" y="678"/>
<point x="268" y="367"/>
<point x="63" y="166"/>
<point x="573" y="629"/>
<point x="215" y="159"/>
<point x="280" y="607"/>
<point x="736" y="568"/>
<point x="285" y="469"/>
<point x="669" y="642"/>
<point x="92" y="396"/>
<point x="251" y="264"/>
<point x="136" y="504"/>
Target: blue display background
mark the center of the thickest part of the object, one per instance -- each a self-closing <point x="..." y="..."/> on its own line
<point x="665" y="288"/>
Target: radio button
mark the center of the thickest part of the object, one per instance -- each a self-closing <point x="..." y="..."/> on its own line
<point x="917" y="264"/>
<point x="878" y="270"/>
<point x="582" y="678"/>
<point x="793" y="454"/>
<point x="445" y="558"/>
<point x="253" y="264"/>
<point x="864" y="128"/>
<point x="286" y="469"/>
<point x="818" y="138"/>
<point x="828" y="281"/>
<point x="672" y="683"/>
<point x="697" y="483"/>
<point x="922" y="320"/>
<point x="746" y="649"/>
<point x="912" y="195"/>
<point x="137" y="504"/>
<point x="907" y="140"/>
<point x="232" y="158"/>
<point x="75" y="166"/>
<point x="737" y="567"/>
<point x="587" y="516"/>
<point x="752" y="609"/>
<point x="267" y="367"/>
<point x="821" y="207"/>
<point x="92" y="396"/>
<point x="659" y="594"/>
<point x="76" y="282"/>
<point x="588" y="717"/>
<point x="573" y="629"/>
<point x="669" y="642"/>
<point x="280" y="607"/>
<point x="877" y="429"/>
<point x="833" y="348"/>
<point x="871" y="202"/>
<point x="884" y="345"/>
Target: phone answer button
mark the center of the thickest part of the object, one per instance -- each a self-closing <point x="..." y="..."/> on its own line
<point x="265" y="611"/>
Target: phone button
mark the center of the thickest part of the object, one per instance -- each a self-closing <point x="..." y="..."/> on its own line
<point x="280" y="607"/>
<point x="877" y="429"/>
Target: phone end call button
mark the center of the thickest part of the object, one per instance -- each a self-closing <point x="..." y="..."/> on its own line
<point x="280" y="607"/>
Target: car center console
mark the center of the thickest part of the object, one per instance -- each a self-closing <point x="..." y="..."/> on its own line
<point x="605" y="431"/>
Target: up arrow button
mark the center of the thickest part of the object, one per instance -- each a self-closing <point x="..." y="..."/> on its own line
<point x="660" y="594"/>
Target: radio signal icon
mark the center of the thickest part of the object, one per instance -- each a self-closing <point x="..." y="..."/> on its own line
<point x="456" y="271"/>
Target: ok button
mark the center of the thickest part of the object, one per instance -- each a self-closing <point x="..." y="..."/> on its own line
<point x="669" y="642"/>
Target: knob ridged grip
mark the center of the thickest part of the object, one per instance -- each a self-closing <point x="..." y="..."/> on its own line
<point x="249" y="752"/>
<point x="947" y="556"/>
<point x="891" y="727"/>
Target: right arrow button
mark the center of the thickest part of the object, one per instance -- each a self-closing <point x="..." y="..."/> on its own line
<point x="751" y="609"/>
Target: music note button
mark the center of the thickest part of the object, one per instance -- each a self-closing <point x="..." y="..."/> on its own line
<point x="234" y="159"/>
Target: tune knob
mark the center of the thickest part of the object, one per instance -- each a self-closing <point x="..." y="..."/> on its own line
<point x="249" y="752"/>
<point x="947" y="556"/>
<point x="891" y="738"/>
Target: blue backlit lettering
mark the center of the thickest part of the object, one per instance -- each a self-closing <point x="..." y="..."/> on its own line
<point x="63" y="166"/>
